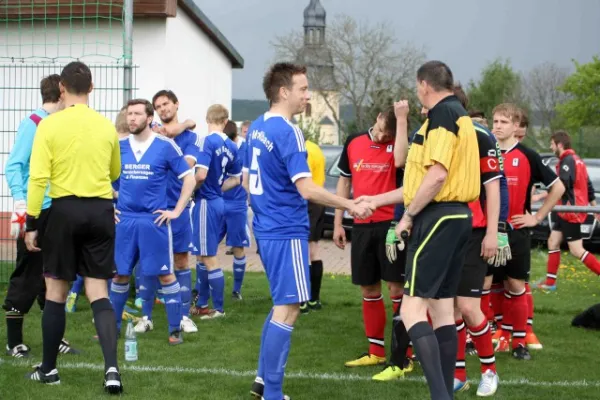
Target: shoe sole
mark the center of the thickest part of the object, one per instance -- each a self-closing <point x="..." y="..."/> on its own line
<point x="535" y="346"/>
<point x="113" y="389"/>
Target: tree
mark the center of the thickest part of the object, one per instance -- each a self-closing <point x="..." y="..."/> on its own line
<point x="365" y="58"/>
<point x="542" y="90"/>
<point x="499" y="83"/>
<point x="311" y="129"/>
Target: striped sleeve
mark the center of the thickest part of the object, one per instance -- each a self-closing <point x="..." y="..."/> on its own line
<point x="292" y="150"/>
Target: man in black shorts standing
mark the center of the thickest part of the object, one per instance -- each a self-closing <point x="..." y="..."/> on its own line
<point x="77" y="153"/>
<point x="368" y="166"/>
<point x="441" y="177"/>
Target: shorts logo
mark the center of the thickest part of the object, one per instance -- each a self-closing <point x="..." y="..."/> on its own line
<point x="164" y="268"/>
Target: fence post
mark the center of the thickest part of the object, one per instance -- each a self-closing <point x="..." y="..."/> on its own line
<point x="128" y="51"/>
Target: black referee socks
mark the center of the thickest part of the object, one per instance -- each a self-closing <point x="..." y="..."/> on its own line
<point x="106" y="327"/>
<point x="53" y="330"/>
<point x="448" y="342"/>
<point x="425" y="344"/>
<point x="316" y="277"/>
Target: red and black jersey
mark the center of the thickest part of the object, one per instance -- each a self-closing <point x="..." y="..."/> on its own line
<point x="578" y="189"/>
<point x="523" y="168"/>
<point x="490" y="169"/>
<point x="372" y="169"/>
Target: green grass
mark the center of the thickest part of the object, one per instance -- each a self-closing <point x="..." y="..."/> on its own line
<point x="218" y="362"/>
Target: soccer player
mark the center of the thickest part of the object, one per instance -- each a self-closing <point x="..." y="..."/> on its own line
<point x="523" y="167"/>
<point x="236" y="216"/>
<point x="218" y="170"/>
<point x="141" y="235"/>
<point x="523" y="125"/>
<point x="279" y="185"/>
<point x="316" y="212"/>
<point x="26" y="283"/>
<point x="579" y="192"/>
<point x="367" y="166"/>
<point x="244" y="128"/>
<point x="489" y="219"/>
<point x="76" y="152"/>
<point x="166" y="105"/>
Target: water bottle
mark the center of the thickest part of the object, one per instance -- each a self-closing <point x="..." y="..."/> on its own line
<point x="131" y="353"/>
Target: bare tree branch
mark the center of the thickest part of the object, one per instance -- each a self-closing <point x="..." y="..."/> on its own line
<point x="541" y="85"/>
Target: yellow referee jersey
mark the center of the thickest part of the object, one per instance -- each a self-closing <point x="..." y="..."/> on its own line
<point x="447" y="137"/>
<point x="316" y="162"/>
<point x="76" y="151"/>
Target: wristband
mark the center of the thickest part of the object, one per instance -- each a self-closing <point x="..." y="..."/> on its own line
<point x="30" y="223"/>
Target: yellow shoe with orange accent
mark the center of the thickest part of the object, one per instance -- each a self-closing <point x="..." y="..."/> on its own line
<point x="366" y="360"/>
<point x="533" y="343"/>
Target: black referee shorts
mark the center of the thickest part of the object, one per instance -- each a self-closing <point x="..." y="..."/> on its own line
<point x="437" y="247"/>
<point x="27" y="280"/>
<point x="316" y="214"/>
<point x="80" y="239"/>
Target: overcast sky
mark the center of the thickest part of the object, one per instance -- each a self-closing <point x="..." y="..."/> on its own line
<point x="466" y="34"/>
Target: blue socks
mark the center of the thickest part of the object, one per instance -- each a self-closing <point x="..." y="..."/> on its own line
<point x="261" y="359"/>
<point x="148" y="286"/>
<point x="202" y="286"/>
<point x="77" y="285"/>
<point x="239" y="268"/>
<point x="119" y="292"/>
<point x="172" y="305"/>
<point x="184" y="277"/>
<point x="216" y="281"/>
<point x="277" y="348"/>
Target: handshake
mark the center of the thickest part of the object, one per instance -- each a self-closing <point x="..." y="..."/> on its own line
<point x="362" y="207"/>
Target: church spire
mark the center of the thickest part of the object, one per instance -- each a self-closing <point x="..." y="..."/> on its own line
<point x="314" y="24"/>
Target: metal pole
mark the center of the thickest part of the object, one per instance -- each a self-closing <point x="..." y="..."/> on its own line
<point x="128" y="51"/>
<point x="572" y="209"/>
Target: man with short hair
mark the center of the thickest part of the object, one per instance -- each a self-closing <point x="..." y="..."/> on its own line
<point x="279" y="184"/>
<point x="523" y="168"/>
<point x="244" y="128"/>
<point x="148" y="159"/>
<point x="218" y="170"/>
<point x="567" y="226"/>
<point x="76" y="152"/>
<point x="521" y="132"/>
<point x="26" y="283"/>
<point x="236" y="216"/>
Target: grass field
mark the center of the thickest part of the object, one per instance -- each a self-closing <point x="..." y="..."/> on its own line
<point x="219" y="361"/>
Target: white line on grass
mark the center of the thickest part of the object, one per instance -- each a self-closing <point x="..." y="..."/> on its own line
<point x="297" y="375"/>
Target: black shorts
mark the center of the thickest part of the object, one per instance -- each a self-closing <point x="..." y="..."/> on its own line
<point x="475" y="268"/>
<point x="27" y="280"/>
<point x="368" y="256"/>
<point x="571" y="231"/>
<point x="80" y="239"/>
<point x="520" y="248"/>
<point x="316" y="214"/>
<point x="437" y="247"/>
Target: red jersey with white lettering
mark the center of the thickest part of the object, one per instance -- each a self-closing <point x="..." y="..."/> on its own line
<point x="578" y="187"/>
<point x="490" y="169"/>
<point x="523" y="168"/>
<point x="371" y="167"/>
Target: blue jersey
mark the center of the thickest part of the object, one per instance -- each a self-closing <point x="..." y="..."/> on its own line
<point x="217" y="154"/>
<point x="503" y="183"/>
<point x="238" y="194"/>
<point x="276" y="158"/>
<point x="142" y="186"/>
<point x="188" y="142"/>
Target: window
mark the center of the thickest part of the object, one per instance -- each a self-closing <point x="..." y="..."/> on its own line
<point x="308" y="111"/>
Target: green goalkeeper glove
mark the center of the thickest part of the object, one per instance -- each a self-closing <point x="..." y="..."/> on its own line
<point x="503" y="254"/>
<point x="391" y="242"/>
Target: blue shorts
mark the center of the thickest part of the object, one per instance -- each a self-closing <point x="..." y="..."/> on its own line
<point x="208" y="219"/>
<point x="236" y="225"/>
<point x="287" y="267"/>
<point x="138" y="238"/>
<point x="182" y="232"/>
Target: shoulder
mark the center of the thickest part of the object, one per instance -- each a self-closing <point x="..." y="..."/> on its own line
<point x="357" y="138"/>
<point x="168" y="143"/>
<point x="446" y="114"/>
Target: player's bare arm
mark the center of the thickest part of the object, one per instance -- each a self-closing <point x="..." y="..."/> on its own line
<point x="395" y="196"/>
<point x="401" y="110"/>
<point x="230" y="183"/>
<point x="489" y="246"/>
<point x="554" y="194"/>
<point x="316" y="194"/>
<point x="201" y="173"/>
<point x="189" y="183"/>
<point x="342" y="190"/>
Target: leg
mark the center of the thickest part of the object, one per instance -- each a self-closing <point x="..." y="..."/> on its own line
<point x="316" y="214"/>
<point x="104" y="319"/>
<point x="554" y="241"/>
<point x="171" y="291"/>
<point x="74" y="294"/>
<point x="239" y="270"/>
<point x="119" y="292"/>
<point x="184" y="277"/>
<point x="212" y="225"/>
<point x="53" y="321"/>
<point x="576" y="248"/>
<point x="216" y="282"/>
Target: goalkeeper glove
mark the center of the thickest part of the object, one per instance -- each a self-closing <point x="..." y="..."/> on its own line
<point x="503" y="254"/>
<point x="392" y="242"/>
<point x="17" y="219"/>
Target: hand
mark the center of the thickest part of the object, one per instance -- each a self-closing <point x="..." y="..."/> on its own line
<point x="360" y="199"/>
<point x="157" y="128"/>
<point x="339" y="236"/>
<point x="361" y="211"/>
<point x="165" y="215"/>
<point x="489" y="246"/>
<point x="503" y="254"/>
<point x="391" y="243"/>
<point x="403" y="230"/>
<point x="117" y="219"/>
<point x="17" y="219"/>
<point x="401" y="109"/>
<point x="31" y="241"/>
<point x="190" y="124"/>
<point x="524" y="221"/>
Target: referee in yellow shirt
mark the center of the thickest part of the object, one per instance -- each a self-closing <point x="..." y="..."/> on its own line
<point x="442" y="176"/>
<point x="316" y="213"/>
<point x="75" y="151"/>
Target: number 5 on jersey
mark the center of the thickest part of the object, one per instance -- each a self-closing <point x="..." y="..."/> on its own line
<point x="255" y="182"/>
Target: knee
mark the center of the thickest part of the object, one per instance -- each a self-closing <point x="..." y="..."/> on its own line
<point x="121" y="279"/>
<point x="286" y="314"/>
<point x="238" y="252"/>
<point x="371" y="290"/>
<point x="468" y="309"/>
<point x="181" y="261"/>
<point x="516" y="285"/>
<point x="395" y="288"/>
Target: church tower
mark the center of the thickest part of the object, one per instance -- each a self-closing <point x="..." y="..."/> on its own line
<point x="317" y="57"/>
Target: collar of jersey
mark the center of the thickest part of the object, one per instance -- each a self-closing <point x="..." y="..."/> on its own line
<point x="141" y="146"/>
<point x="270" y="114"/>
<point x="220" y="134"/>
<point x="567" y="152"/>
